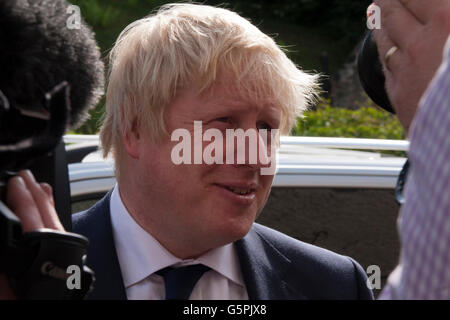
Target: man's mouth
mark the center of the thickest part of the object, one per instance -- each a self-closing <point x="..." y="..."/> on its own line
<point x="239" y="188"/>
<point x="240" y="191"/>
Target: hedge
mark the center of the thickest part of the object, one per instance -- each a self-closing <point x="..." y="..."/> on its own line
<point x="366" y="122"/>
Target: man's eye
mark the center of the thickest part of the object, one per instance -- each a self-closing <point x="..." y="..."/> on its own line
<point x="265" y="125"/>
<point x="224" y="119"/>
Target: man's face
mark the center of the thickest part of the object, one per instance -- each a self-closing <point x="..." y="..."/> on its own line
<point x="201" y="204"/>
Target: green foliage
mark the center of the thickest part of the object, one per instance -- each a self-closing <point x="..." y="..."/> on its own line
<point x="343" y="20"/>
<point x="93" y="123"/>
<point x="310" y="27"/>
<point x="97" y="13"/>
<point x="366" y="122"/>
<point x="108" y="18"/>
<point x="369" y="122"/>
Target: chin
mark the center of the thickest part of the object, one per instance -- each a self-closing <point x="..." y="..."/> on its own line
<point x="235" y="229"/>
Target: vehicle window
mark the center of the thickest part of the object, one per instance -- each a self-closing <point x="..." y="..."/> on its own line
<point x="85" y="202"/>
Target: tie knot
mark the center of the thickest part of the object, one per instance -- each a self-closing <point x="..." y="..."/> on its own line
<point x="180" y="282"/>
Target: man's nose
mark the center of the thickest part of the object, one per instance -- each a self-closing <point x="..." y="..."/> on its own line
<point x="252" y="148"/>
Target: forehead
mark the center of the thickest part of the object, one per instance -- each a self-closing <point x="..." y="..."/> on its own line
<point x="222" y="96"/>
<point x="235" y="95"/>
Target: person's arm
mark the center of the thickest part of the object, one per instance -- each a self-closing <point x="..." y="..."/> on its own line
<point x="425" y="217"/>
<point x="33" y="204"/>
<point x="420" y="29"/>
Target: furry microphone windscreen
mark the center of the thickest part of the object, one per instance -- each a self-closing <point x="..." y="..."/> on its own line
<point x="39" y="50"/>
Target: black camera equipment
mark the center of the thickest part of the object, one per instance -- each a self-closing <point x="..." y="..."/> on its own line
<point x="50" y="75"/>
<point x="371" y="73"/>
<point x="372" y="80"/>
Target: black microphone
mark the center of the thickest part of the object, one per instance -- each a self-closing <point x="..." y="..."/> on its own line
<point x="371" y="73"/>
<point x="51" y="74"/>
<point x="39" y="50"/>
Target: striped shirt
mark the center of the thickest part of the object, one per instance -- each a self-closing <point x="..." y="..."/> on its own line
<point x="424" y="222"/>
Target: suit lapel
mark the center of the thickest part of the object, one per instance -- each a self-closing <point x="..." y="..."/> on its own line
<point x="265" y="269"/>
<point x="102" y="257"/>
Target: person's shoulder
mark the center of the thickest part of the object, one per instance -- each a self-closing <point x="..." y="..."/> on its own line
<point x="340" y="275"/>
<point x="292" y="247"/>
<point x="82" y="221"/>
<point x="80" y="217"/>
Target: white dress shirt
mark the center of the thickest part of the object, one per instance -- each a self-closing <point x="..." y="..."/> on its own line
<point x="141" y="255"/>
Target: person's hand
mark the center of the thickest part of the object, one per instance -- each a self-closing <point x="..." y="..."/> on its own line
<point x="33" y="204"/>
<point x="419" y="29"/>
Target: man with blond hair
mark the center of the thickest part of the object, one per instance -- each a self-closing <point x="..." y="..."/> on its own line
<point x="186" y="231"/>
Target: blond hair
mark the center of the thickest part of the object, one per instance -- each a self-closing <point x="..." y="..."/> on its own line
<point x="184" y="44"/>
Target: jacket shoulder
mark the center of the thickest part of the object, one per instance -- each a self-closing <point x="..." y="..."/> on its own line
<point x="84" y="221"/>
<point x="319" y="269"/>
<point x="292" y="247"/>
<point x="95" y="224"/>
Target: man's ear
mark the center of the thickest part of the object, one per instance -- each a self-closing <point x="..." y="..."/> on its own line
<point x="132" y="140"/>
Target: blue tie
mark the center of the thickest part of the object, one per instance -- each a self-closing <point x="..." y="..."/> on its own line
<point x="180" y="282"/>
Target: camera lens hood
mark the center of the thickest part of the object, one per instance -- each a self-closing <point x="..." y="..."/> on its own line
<point x="371" y="73"/>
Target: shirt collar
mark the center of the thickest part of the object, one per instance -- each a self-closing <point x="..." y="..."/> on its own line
<point x="140" y="254"/>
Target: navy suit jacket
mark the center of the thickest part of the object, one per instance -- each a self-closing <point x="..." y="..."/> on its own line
<point x="274" y="266"/>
